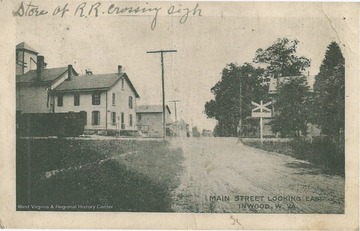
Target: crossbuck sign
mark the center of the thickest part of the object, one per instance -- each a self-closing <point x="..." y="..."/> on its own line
<point x="261" y="111"/>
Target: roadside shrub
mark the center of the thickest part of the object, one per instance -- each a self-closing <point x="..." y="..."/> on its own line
<point x="323" y="151"/>
<point x="272" y="146"/>
<point x="326" y="152"/>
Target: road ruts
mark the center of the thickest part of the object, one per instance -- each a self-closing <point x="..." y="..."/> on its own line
<point x="222" y="176"/>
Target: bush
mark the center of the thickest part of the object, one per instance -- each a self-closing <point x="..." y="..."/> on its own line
<point x="325" y="152"/>
<point x="272" y="146"/>
<point x="322" y="151"/>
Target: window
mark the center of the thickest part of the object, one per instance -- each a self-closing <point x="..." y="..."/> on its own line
<point x="130" y="120"/>
<point x="130" y="102"/>
<point x="95" y="118"/>
<point x="139" y="118"/>
<point x="96" y="98"/>
<point x="113" y="98"/>
<point x="76" y="99"/>
<point x="122" y="120"/>
<point x="122" y="84"/>
<point x="60" y="100"/>
<point x="113" y="118"/>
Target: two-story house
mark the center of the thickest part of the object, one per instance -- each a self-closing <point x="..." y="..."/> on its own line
<point x="109" y="100"/>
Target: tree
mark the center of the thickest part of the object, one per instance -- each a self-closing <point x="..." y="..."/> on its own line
<point x="206" y="133"/>
<point x="329" y="87"/>
<point x="195" y="132"/>
<point x="281" y="59"/>
<point x="292" y="101"/>
<point x="292" y="108"/>
<point x="225" y="108"/>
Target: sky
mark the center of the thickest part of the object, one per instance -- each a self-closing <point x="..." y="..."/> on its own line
<point x="225" y="33"/>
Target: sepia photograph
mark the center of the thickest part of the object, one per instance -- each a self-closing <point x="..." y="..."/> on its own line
<point x="185" y="108"/>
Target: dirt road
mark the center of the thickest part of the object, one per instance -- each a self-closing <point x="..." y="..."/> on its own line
<point x="221" y="175"/>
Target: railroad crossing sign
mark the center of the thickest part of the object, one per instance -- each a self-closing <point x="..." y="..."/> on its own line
<point x="261" y="111"/>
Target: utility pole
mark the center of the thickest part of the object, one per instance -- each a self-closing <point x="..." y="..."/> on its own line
<point x="163" y="85"/>
<point x="177" y="128"/>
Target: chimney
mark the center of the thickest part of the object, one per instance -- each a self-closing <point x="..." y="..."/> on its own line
<point x="39" y="66"/>
<point x="119" y="69"/>
<point x="69" y="72"/>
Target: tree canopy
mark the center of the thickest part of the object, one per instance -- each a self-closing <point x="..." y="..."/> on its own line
<point x="281" y="59"/>
<point x="329" y="102"/>
<point x="292" y="107"/>
<point x="225" y="108"/>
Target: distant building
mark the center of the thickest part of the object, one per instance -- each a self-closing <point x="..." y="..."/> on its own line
<point x="109" y="100"/>
<point x="150" y="119"/>
<point x="275" y="82"/>
<point x="179" y="128"/>
<point x="33" y="88"/>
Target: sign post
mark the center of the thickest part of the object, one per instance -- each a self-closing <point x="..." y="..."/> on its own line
<point x="261" y="111"/>
<point x="261" y="129"/>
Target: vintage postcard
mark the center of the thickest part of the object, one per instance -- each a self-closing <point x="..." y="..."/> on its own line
<point x="179" y="115"/>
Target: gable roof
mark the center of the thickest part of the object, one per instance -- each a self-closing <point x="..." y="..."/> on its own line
<point x="131" y="85"/>
<point x="94" y="82"/>
<point x="284" y="79"/>
<point x="151" y="109"/>
<point x="25" y="46"/>
<point x="47" y="75"/>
